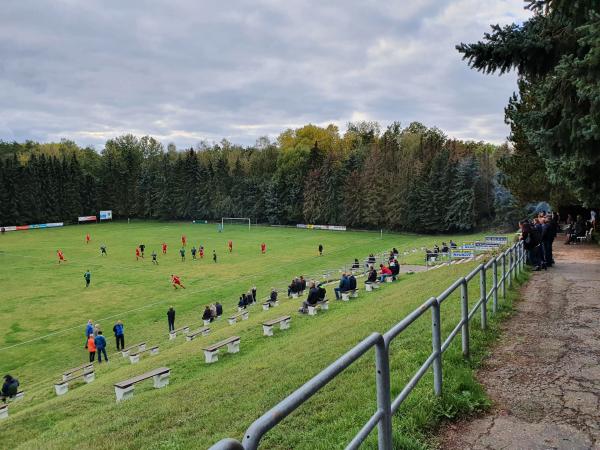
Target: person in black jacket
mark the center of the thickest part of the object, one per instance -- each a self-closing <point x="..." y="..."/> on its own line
<point x="372" y="275"/>
<point x="171" y="318"/>
<point x="529" y="238"/>
<point x="219" y="309"/>
<point x="322" y="292"/>
<point x="312" y="299"/>
<point x="254" y="294"/>
<point x="351" y="283"/>
<point x="301" y="285"/>
<point x="207" y="314"/>
<point x="9" y="388"/>
<point x="273" y="296"/>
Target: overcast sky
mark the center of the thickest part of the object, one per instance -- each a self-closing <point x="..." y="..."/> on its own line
<point x="188" y="70"/>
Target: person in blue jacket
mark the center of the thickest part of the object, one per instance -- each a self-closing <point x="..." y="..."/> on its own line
<point x="100" y="347"/>
<point x="89" y="329"/>
<point x="343" y="287"/>
<point x="119" y="335"/>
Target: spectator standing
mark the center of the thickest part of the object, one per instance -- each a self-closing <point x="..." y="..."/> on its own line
<point x="171" y="318"/>
<point x="89" y="329"/>
<point x="100" y="347"/>
<point x="91" y="347"/>
<point x="119" y="331"/>
<point x="320" y="249"/>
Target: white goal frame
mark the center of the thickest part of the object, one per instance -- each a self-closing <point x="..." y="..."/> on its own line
<point x="244" y="219"/>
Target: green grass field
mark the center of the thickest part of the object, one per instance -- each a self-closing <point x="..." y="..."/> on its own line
<point x="45" y="306"/>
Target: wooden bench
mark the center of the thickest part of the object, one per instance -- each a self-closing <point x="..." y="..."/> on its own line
<point x="141" y="347"/>
<point x="173" y="334"/>
<point x="200" y="331"/>
<point x="124" y="389"/>
<point x="211" y="353"/>
<point x="135" y="357"/>
<point x="267" y="305"/>
<point x="283" y="321"/>
<point x="83" y="367"/>
<point x="3" y="411"/>
<point x="18" y="396"/>
<point x="233" y="319"/>
<point x="62" y="387"/>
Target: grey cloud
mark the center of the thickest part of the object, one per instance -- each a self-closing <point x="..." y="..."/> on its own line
<point x="185" y="70"/>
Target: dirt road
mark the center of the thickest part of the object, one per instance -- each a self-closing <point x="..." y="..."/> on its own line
<point x="544" y="376"/>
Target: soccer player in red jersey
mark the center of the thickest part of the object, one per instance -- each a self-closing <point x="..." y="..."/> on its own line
<point x="263" y="248"/>
<point x="176" y="282"/>
<point x="137" y="253"/>
<point x="87" y="238"/>
<point x="230" y="245"/>
<point x="201" y="251"/>
<point x="164" y="248"/>
<point x="61" y="256"/>
<point x="183" y="240"/>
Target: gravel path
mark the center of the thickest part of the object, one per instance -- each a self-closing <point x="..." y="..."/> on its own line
<point x="544" y="376"/>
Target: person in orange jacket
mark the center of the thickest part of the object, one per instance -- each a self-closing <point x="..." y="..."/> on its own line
<point x="91" y="346"/>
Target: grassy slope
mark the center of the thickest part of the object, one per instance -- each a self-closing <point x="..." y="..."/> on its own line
<point x="204" y="403"/>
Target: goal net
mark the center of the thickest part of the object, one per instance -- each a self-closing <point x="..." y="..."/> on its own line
<point x="234" y="221"/>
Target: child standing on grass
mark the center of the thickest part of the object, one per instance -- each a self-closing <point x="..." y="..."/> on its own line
<point x="230" y="245"/>
<point x="103" y="250"/>
<point x="154" y="260"/>
<point x="87" y="238"/>
<point x="88" y="277"/>
<point x="91" y="346"/>
<point x="201" y="252"/>
<point x="164" y="248"/>
<point x="214" y="256"/>
<point x="182" y="253"/>
<point x="137" y="254"/>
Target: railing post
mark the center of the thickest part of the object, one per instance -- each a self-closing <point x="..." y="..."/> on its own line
<point x="483" y="294"/>
<point x="522" y="257"/>
<point x="495" y="281"/>
<point x="384" y="399"/>
<point x="504" y="275"/>
<point x="464" y="309"/>
<point x="436" y="343"/>
<point x="510" y="267"/>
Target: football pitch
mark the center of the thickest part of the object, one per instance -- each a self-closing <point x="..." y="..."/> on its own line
<point x="45" y="305"/>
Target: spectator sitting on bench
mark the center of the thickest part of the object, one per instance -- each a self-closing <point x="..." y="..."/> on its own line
<point x="343" y="287"/>
<point x="249" y="298"/>
<point x="395" y="252"/>
<point x="207" y="314"/>
<point x="9" y="388"/>
<point x="322" y="292"/>
<point x="452" y="244"/>
<point x="301" y="284"/>
<point x="242" y="303"/>
<point x="372" y="276"/>
<point x="436" y="249"/>
<point x="355" y="264"/>
<point x="294" y="287"/>
<point x="385" y="272"/>
<point x="219" y="309"/>
<point x="371" y="259"/>
<point x="273" y="296"/>
<point x="444" y="248"/>
<point x="213" y="312"/>
<point x="351" y="283"/>
<point x="312" y="299"/>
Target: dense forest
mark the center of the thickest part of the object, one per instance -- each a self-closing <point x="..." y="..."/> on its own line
<point x="412" y="178"/>
<point x="555" y="116"/>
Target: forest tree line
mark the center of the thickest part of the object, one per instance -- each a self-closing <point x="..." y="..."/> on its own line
<point x="412" y="179"/>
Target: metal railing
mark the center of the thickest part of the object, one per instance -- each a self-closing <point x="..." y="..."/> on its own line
<point x="511" y="262"/>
